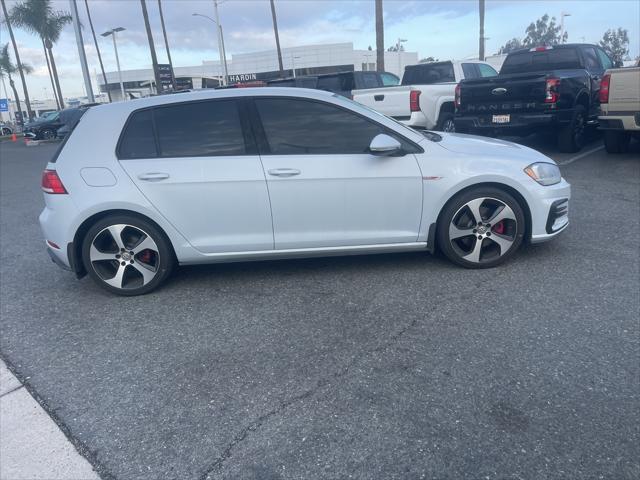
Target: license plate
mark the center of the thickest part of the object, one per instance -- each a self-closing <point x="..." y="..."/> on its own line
<point x="501" y="118"/>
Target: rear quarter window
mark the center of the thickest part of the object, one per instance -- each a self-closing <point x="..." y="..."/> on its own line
<point x="138" y="140"/>
<point x="428" y="73"/>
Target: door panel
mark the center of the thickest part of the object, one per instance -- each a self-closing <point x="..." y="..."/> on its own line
<point x="342" y="200"/>
<point x="220" y="204"/>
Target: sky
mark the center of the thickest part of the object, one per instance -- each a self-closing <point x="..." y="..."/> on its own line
<point x="445" y="29"/>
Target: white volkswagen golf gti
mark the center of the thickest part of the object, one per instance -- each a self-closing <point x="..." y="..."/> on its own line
<point x="140" y="187"/>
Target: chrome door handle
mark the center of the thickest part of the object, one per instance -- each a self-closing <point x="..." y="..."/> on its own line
<point x="284" y="172"/>
<point x="153" y="176"/>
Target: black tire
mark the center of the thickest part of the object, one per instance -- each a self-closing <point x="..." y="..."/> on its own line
<point x="616" y="141"/>
<point x="48" y="134"/>
<point x="446" y="122"/>
<point x="572" y="137"/>
<point x="159" y="263"/>
<point x="490" y="253"/>
<point x="6" y="131"/>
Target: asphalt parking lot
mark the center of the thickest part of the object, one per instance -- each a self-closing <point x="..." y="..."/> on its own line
<point x="391" y="366"/>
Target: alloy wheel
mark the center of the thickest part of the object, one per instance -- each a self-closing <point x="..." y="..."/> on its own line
<point x="124" y="256"/>
<point x="449" y="126"/>
<point x="483" y="230"/>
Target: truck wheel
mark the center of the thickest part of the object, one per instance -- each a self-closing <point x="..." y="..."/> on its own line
<point x="616" y="141"/>
<point x="571" y="137"/>
<point x="446" y="123"/>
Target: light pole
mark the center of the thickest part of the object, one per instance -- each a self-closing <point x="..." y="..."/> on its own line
<point x="113" y="32"/>
<point x="398" y="45"/>
<point x="221" y="50"/>
<point x="81" y="52"/>
<point x="562" y="15"/>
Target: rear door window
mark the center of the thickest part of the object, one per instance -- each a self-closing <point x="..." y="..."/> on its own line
<point x="486" y="70"/>
<point x="137" y="139"/>
<point x="195" y="129"/>
<point x="469" y="70"/>
<point x="369" y="80"/>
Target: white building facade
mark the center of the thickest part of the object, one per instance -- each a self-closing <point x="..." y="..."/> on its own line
<point x="306" y="60"/>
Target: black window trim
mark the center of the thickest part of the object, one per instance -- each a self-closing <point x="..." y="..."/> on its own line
<point x="263" y="144"/>
<point x="247" y="132"/>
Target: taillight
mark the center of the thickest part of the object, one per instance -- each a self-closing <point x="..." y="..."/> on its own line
<point x="457" y="97"/>
<point x="540" y="49"/>
<point x="551" y="92"/>
<point x="604" y="88"/>
<point x="51" y="183"/>
<point x="414" y="100"/>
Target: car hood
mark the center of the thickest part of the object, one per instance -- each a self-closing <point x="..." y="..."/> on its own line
<point x="490" y="147"/>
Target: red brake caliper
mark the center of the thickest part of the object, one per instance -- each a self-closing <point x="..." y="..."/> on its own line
<point x="499" y="227"/>
<point x="146" y="256"/>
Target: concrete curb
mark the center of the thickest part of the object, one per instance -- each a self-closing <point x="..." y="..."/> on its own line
<point x="31" y="444"/>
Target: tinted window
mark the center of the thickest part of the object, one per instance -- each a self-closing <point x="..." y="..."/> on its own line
<point x="369" y="80"/>
<point x="199" y="129"/>
<point x="294" y="126"/>
<point x="469" y="70"/>
<point x="428" y="73"/>
<point x="604" y="58"/>
<point x="486" y="70"/>
<point x="330" y="83"/>
<point x="389" y="79"/>
<point x="554" y="59"/>
<point x="591" y="61"/>
<point x="137" y="139"/>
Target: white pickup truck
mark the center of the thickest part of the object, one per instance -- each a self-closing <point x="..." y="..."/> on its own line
<point x="425" y="98"/>
<point x="620" y="107"/>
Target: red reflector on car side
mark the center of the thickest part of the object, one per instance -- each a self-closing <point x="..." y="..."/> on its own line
<point x="51" y="183"/>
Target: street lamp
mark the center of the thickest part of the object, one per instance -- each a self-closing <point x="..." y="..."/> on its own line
<point x="113" y="32"/>
<point x="562" y="15"/>
<point x="398" y="45"/>
<point x="221" y="50"/>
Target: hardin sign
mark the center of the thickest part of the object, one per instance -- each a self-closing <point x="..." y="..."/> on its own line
<point x="243" y="77"/>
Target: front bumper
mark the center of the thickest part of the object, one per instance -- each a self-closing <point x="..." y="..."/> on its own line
<point x="549" y="211"/>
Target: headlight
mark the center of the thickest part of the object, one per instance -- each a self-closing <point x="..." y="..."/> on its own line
<point x="544" y="173"/>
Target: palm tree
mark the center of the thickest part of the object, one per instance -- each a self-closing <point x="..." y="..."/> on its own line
<point x="379" y="37"/>
<point x="7" y="68"/>
<point x="38" y="17"/>
<point x="95" y="42"/>
<point x="15" y="50"/>
<point x="166" y="44"/>
<point x="154" y="58"/>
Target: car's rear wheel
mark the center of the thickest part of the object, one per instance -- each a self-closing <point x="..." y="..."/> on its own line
<point x="446" y="123"/>
<point x="48" y="134"/>
<point x="571" y="138"/>
<point x="616" y="141"/>
<point x="481" y="228"/>
<point x="127" y="255"/>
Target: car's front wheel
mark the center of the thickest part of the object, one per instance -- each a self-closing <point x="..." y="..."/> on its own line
<point x="48" y="134"/>
<point x="481" y="228"/>
<point x="127" y="255"/>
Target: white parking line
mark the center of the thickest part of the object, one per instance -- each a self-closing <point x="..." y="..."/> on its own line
<point x="582" y="155"/>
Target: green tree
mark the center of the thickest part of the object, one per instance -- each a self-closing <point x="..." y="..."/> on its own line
<point x="428" y="59"/>
<point x="39" y="18"/>
<point x="510" y="46"/>
<point x="7" y="68"/>
<point x="543" y="31"/>
<point x="616" y="44"/>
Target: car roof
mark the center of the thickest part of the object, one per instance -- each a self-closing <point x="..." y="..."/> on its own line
<point x="210" y="94"/>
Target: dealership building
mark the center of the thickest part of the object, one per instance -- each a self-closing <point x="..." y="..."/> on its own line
<point x="243" y="67"/>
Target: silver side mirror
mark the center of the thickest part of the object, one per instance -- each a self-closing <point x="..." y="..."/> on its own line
<point x="384" y="145"/>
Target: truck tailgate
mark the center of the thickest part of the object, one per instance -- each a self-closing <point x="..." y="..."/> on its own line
<point x="390" y="101"/>
<point x="502" y="94"/>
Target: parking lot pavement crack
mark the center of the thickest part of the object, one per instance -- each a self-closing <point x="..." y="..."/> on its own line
<point x="243" y="434"/>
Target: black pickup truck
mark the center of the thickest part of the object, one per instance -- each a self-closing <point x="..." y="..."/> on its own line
<point x="553" y="88"/>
